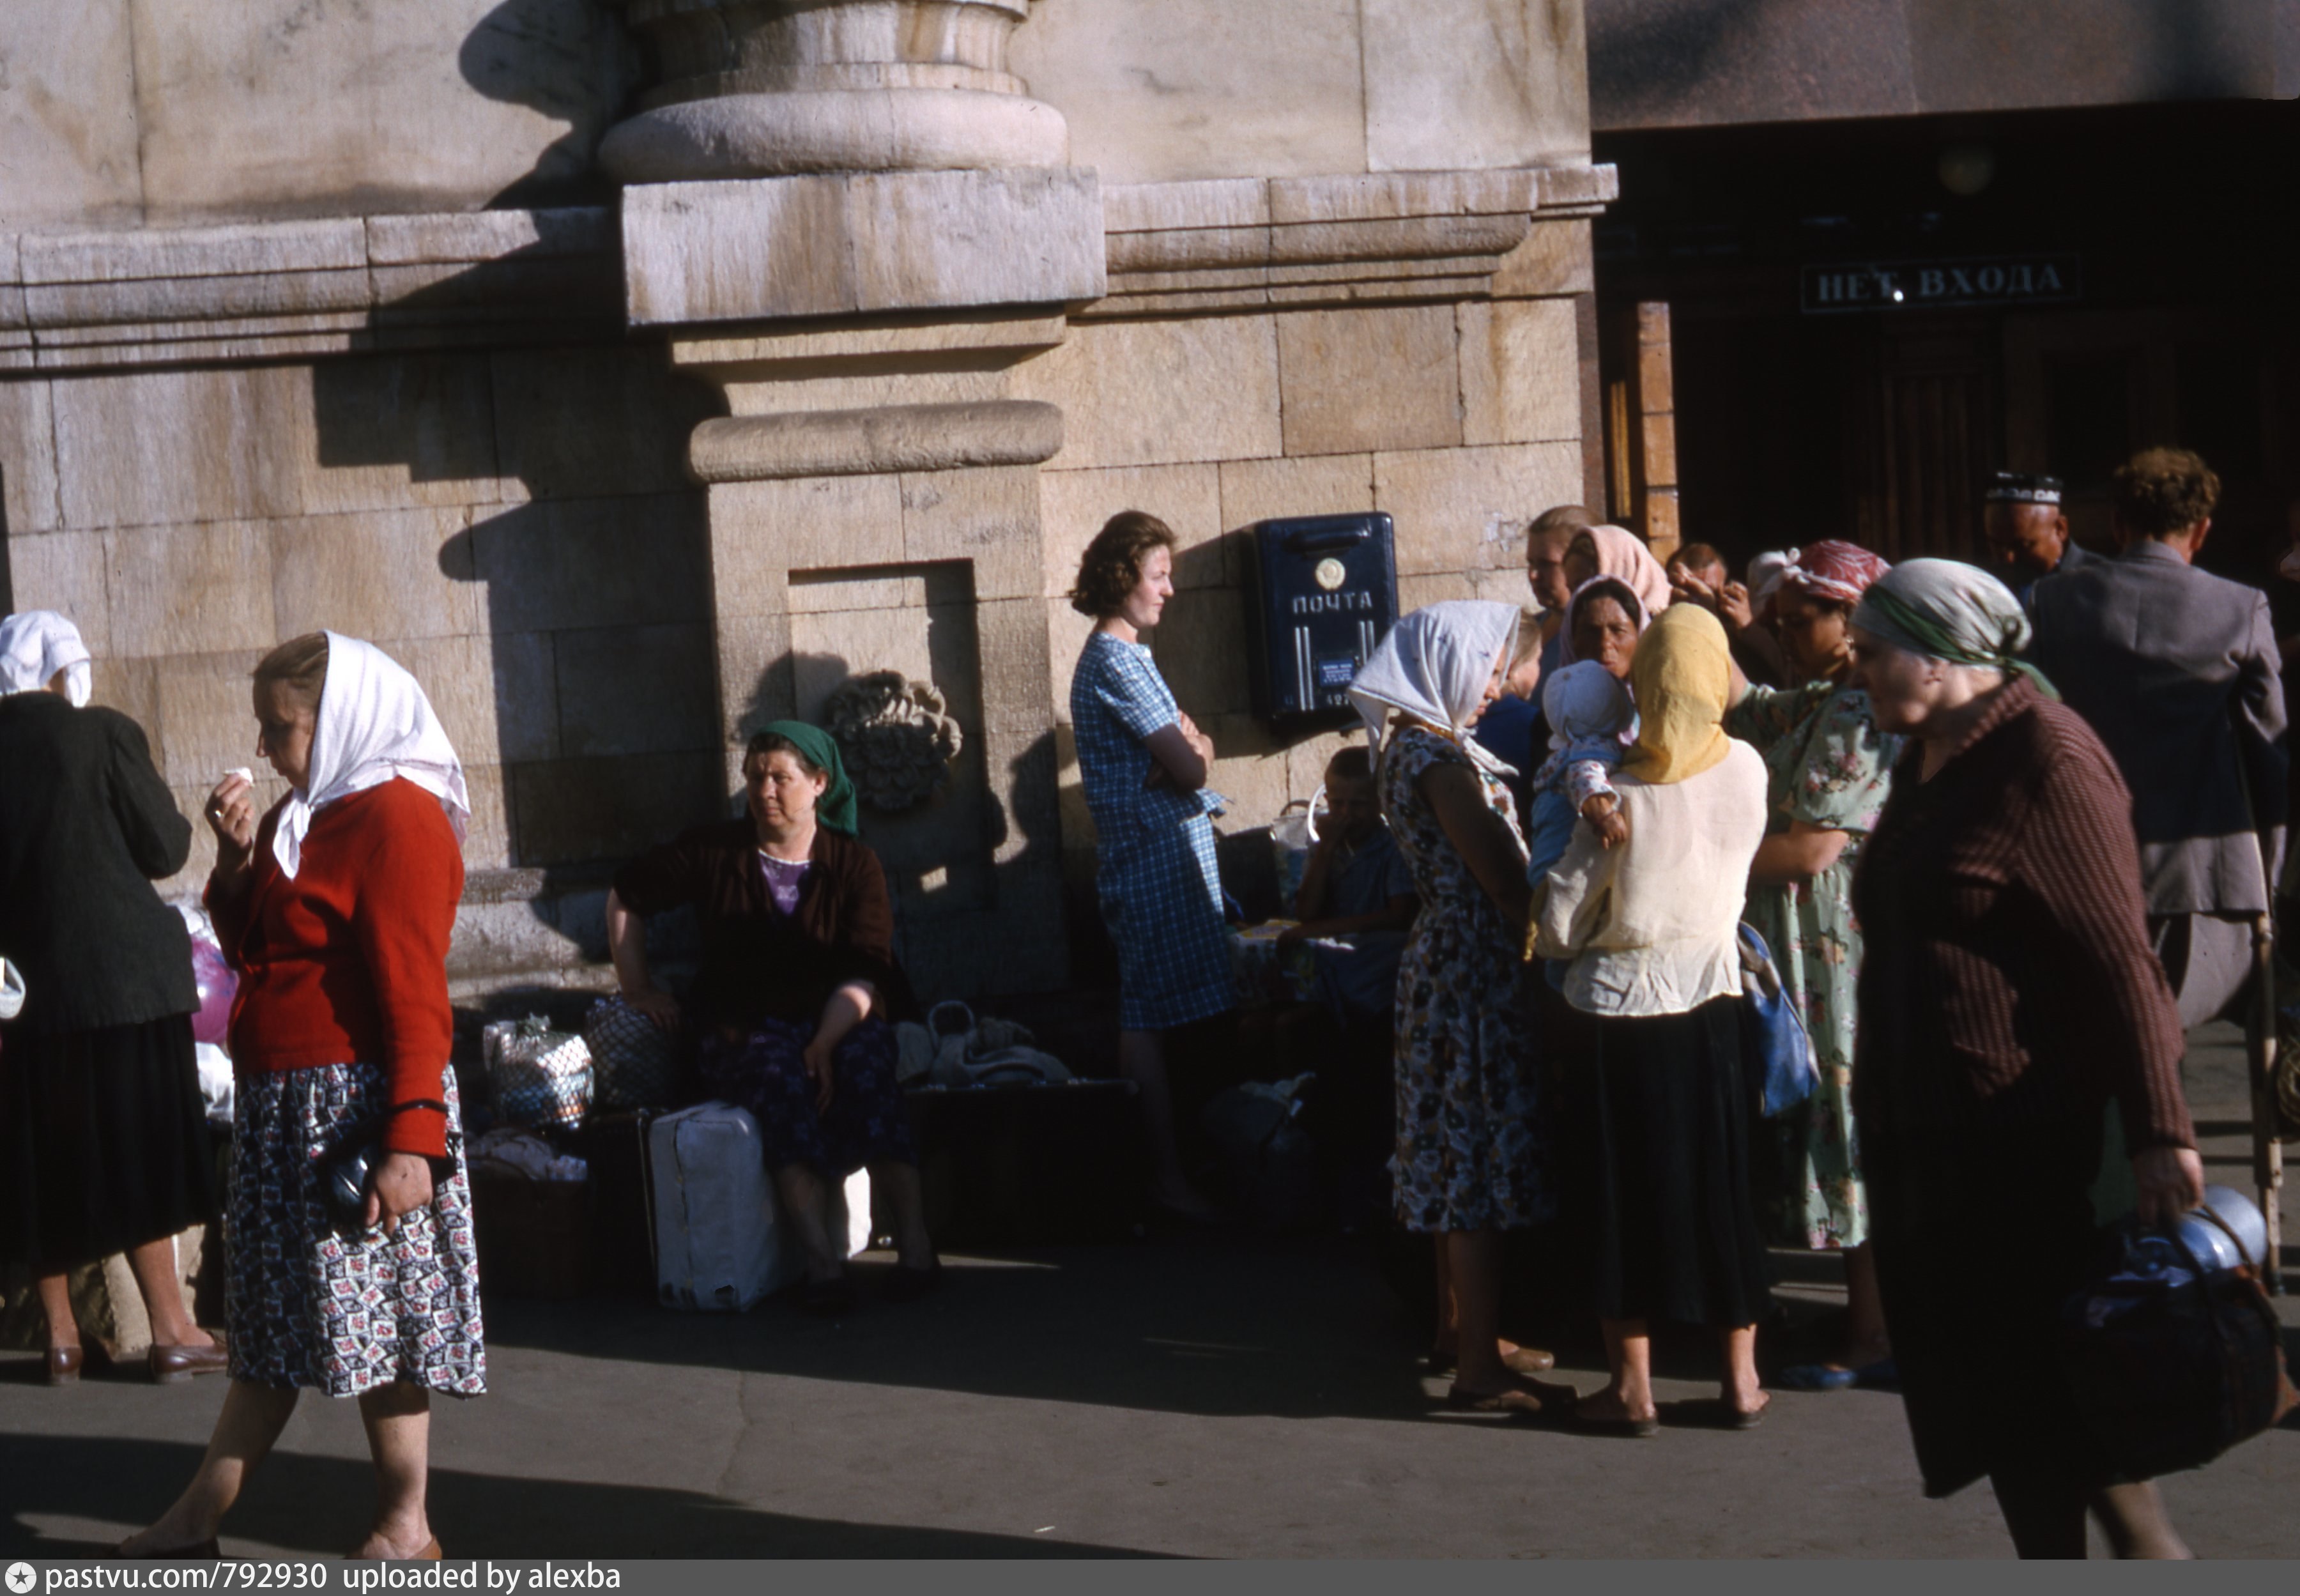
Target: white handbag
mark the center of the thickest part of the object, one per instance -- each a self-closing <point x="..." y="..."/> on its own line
<point x="12" y="990"/>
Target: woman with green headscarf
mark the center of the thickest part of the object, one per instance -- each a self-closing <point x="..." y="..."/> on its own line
<point x="2009" y="994"/>
<point x="794" y="1004"/>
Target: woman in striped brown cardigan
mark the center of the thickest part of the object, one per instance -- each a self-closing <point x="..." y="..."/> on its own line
<point x="2009" y="995"/>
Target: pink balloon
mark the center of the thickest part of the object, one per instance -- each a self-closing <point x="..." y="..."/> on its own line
<point x="217" y="985"/>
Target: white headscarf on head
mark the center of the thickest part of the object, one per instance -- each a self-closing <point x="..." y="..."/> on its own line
<point x="1434" y="665"/>
<point x="34" y="646"/>
<point x="374" y="724"/>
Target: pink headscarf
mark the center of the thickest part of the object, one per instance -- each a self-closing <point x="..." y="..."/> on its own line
<point x="1834" y="570"/>
<point x="1623" y="556"/>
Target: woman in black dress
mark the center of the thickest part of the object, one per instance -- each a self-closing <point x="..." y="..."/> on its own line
<point x="103" y="1142"/>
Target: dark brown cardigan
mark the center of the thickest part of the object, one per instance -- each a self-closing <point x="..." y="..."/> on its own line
<point x="758" y="962"/>
<point x="2008" y="979"/>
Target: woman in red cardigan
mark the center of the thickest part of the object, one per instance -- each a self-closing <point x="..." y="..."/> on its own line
<point x="336" y="910"/>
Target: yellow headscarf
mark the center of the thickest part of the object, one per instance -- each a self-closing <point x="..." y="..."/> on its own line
<point x="1682" y="677"/>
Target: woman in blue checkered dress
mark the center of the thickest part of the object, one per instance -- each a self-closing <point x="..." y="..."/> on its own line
<point x="1145" y="766"/>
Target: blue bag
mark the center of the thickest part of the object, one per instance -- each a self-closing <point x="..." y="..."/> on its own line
<point x="1780" y="1053"/>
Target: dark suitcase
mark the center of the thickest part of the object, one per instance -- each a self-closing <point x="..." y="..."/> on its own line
<point x="533" y="1236"/>
<point x="623" y="1214"/>
<point x="1030" y="1165"/>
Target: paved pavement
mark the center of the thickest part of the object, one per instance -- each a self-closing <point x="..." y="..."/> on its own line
<point x="1223" y="1397"/>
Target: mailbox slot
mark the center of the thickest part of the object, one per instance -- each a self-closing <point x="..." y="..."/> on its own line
<point x="1325" y="594"/>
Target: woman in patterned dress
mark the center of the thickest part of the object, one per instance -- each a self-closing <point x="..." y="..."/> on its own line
<point x="1469" y="1164"/>
<point x="336" y="910"/>
<point x="1828" y="769"/>
<point x="1144" y="765"/>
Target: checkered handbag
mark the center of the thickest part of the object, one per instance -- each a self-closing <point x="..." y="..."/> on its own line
<point x="634" y="1061"/>
<point x="538" y="1076"/>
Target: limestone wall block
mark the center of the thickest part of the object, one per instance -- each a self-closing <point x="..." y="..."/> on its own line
<point x="1555" y="258"/>
<point x="1074" y="504"/>
<point x="612" y="562"/>
<point x="829" y="647"/>
<point x="870" y="242"/>
<point x="1358" y="380"/>
<point x="571" y="423"/>
<point x="1012" y="635"/>
<point x="1154" y="393"/>
<point x="986" y="517"/>
<point x="900" y="438"/>
<point x="1520" y="370"/>
<point x="330" y="244"/>
<point x="757" y="680"/>
<point x="1460" y="510"/>
<point x="458" y="675"/>
<point x="577" y="811"/>
<point x="68" y="130"/>
<point x="468" y="235"/>
<point x="759" y="531"/>
<point x="1473" y="83"/>
<point x="1444" y="190"/>
<point x="1275" y="87"/>
<point x="282" y="106"/>
<point x="1498" y="586"/>
<point x="131" y="687"/>
<point x="526" y="667"/>
<point x="858" y="387"/>
<point x="1255" y="490"/>
<point x="486" y="842"/>
<point x="636" y="689"/>
<point x="804" y="350"/>
<point x="191" y="589"/>
<point x="1220" y="202"/>
<point x="1200" y="647"/>
<point x="67" y="572"/>
<point x="1066" y="634"/>
<point x="274" y="441"/>
<point x="1306" y="760"/>
<point x="170" y="299"/>
<point x="913" y="128"/>
<point x="395" y="574"/>
<point x="205" y="719"/>
<point x="884" y="587"/>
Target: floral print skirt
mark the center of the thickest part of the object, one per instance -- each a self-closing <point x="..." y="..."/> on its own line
<point x="311" y="1300"/>
<point x="765" y="1074"/>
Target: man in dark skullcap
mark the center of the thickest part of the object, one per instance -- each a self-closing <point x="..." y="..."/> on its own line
<point x="2021" y="516"/>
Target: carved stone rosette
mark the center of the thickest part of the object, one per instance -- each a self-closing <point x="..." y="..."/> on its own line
<point x="749" y="88"/>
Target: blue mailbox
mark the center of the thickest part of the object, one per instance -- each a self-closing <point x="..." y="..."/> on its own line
<point x="1325" y="594"/>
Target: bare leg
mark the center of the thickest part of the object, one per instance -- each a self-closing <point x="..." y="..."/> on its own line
<point x="1629" y="1355"/>
<point x="1474" y="1266"/>
<point x="251" y="1421"/>
<point x="806" y="1204"/>
<point x="1448" y="1338"/>
<point x="398" y="1422"/>
<point x="906" y="1199"/>
<point x="2134" y="1519"/>
<point x="2044" y="1512"/>
<point x="55" y="1302"/>
<point x="1866" y="1339"/>
<point x="1741" y="1391"/>
<point x="1142" y="1059"/>
<point x="154" y="1265"/>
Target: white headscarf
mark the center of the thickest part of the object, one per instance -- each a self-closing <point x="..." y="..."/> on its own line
<point x="1434" y="665"/>
<point x="34" y="646"/>
<point x="374" y="724"/>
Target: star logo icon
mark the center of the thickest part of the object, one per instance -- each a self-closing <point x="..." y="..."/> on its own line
<point x="21" y="1578"/>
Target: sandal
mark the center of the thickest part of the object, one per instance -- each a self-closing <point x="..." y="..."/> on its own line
<point x="1625" y="1427"/>
<point x="1512" y="1400"/>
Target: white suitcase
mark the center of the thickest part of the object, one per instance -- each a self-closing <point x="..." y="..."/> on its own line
<point x="720" y="1241"/>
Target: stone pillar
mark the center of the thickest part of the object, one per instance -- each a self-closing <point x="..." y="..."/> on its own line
<point x="855" y="223"/>
<point x="770" y="87"/>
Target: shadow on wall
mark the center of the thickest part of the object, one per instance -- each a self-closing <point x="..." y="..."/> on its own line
<point x="572" y="60"/>
<point x="319" y="1506"/>
<point x="594" y="663"/>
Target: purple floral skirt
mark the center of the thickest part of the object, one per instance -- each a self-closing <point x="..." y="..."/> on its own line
<point x="765" y="1074"/>
<point x="310" y="1302"/>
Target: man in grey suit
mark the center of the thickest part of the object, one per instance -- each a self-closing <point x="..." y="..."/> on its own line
<point x="2178" y="670"/>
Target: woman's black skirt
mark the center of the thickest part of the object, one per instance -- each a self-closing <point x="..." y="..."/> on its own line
<point x="103" y="1142"/>
<point x="1671" y="1229"/>
<point x="1979" y="1239"/>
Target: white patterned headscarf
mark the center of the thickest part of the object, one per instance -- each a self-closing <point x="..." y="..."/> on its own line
<point x="34" y="646"/>
<point x="1435" y="666"/>
<point x="375" y="725"/>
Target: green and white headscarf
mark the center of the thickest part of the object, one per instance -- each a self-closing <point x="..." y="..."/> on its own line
<point x="1948" y="610"/>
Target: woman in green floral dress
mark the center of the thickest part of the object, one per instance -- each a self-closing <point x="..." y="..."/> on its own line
<point x="1829" y="769"/>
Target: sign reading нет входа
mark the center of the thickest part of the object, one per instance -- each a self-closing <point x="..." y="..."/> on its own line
<point x="1936" y="285"/>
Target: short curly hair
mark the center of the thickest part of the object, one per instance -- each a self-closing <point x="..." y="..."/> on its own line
<point x="1113" y="563"/>
<point x="2161" y="492"/>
